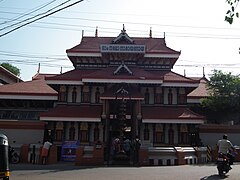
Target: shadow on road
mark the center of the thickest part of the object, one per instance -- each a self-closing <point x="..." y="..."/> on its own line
<point x="52" y="167"/>
<point x="214" y="177"/>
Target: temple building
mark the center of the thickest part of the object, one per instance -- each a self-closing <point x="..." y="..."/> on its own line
<point x="121" y="87"/>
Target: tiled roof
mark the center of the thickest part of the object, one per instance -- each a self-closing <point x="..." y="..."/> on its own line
<point x="107" y="73"/>
<point x="169" y="113"/>
<point x="169" y="76"/>
<point x="35" y="87"/>
<point x="42" y="76"/>
<point x="138" y="73"/>
<point x="74" y="111"/>
<point x="10" y="75"/>
<point x="201" y="91"/>
<point x="73" y="75"/>
<point x="92" y="44"/>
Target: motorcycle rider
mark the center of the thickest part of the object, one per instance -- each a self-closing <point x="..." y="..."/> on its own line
<point x="224" y="145"/>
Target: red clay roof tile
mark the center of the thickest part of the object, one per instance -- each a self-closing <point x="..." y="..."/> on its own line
<point x="74" y="111"/>
<point x="169" y="113"/>
<point x="36" y="87"/>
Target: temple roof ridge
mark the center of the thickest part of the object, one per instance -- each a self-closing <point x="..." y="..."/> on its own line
<point x="123" y="36"/>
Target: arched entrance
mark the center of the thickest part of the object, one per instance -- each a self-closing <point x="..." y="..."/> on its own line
<point x="120" y="130"/>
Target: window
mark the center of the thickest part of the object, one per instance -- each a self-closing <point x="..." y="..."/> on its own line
<point x="158" y="95"/>
<point x="170" y="135"/>
<point x="62" y="94"/>
<point x="147" y="96"/>
<point x="83" y="133"/>
<point x="85" y="94"/>
<point x="74" y="95"/>
<point x="170" y="96"/>
<point x="183" y="134"/>
<point x="72" y="132"/>
<point x="181" y="96"/>
<point x="59" y="134"/>
<point x="146" y="132"/>
<point x="97" y="95"/>
<point x="96" y="133"/>
<point x="159" y="135"/>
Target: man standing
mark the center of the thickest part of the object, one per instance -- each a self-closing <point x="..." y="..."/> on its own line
<point x="136" y="147"/>
<point x="45" y="151"/>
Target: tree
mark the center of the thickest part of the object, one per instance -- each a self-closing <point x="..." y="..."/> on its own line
<point x="231" y="13"/>
<point x="224" y="100"/>
<point x="11" y="68"/>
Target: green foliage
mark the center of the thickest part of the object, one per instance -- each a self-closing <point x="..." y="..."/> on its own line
<point x="231" y="13"/>
<point x="224" y="91"/>
<point x="11" y="68"/>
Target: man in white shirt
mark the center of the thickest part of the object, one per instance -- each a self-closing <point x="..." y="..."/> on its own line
<point x="224" y="145"/>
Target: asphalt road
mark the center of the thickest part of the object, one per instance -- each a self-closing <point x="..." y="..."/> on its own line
<point x="68" y="171"/>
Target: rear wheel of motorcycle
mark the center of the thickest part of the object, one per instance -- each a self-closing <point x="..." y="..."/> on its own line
<point x="220" y="171"/>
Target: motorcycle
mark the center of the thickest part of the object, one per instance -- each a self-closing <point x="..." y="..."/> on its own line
<point x="13" y="156"/>
<point x="223" y="164"/>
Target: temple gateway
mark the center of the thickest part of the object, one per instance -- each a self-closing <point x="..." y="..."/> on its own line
<point x="120" y="88"/>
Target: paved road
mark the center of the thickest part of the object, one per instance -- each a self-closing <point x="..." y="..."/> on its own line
<point x="68" y="171"/>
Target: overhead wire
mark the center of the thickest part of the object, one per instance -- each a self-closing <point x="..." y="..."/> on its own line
<point x="40" y="14"/>
<point x="40" y="18"/>
<point x="28" y="12"/>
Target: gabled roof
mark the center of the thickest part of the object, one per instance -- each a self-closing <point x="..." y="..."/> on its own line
<point x="201" y="91"/>
<point x="7" y="76"/>
<point x="42" y="76"/>
<point x="169" y="114"/>
<point x="92" y="44"/>
<point x="123" y="36"/>
<point x="29" y="89"/>
<point x="73" y="75"/>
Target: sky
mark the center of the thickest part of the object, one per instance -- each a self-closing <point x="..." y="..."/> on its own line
<point x="196" y="28"/>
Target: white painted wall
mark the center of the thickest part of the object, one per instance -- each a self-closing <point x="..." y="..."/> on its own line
<point x="18" y="137"/>
<point x="210" y="139"/>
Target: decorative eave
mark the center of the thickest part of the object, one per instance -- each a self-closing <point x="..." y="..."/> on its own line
<point x="179" y="84"/>
<point x="123" y="36"/>
<point x="130" y="81"/>
<point x="64" y="82"/>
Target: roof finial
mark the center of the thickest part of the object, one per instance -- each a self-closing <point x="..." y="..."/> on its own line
<point x="150" y="33"/>
<point x="61" y="71"/>
<point x="164" y="35"/>
<point x="82" y="33"/>
<point x="96" y="32"/>
<point x="123" y="31"/>
<point x="184" y="72"/>
<point x="38" y="68"/>
<point x="203" y="71"/>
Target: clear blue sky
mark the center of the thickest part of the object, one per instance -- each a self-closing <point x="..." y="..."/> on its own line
<point x="197" y="28"/>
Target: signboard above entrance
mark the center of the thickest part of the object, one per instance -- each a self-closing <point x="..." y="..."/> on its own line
<point x="122" y="48"/>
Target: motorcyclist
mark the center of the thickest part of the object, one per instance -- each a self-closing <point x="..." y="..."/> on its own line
<point x="224" y="145"/>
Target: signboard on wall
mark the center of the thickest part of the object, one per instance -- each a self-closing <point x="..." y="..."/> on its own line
<point x="122" y="48"/>
<point x="68" y="152"/>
